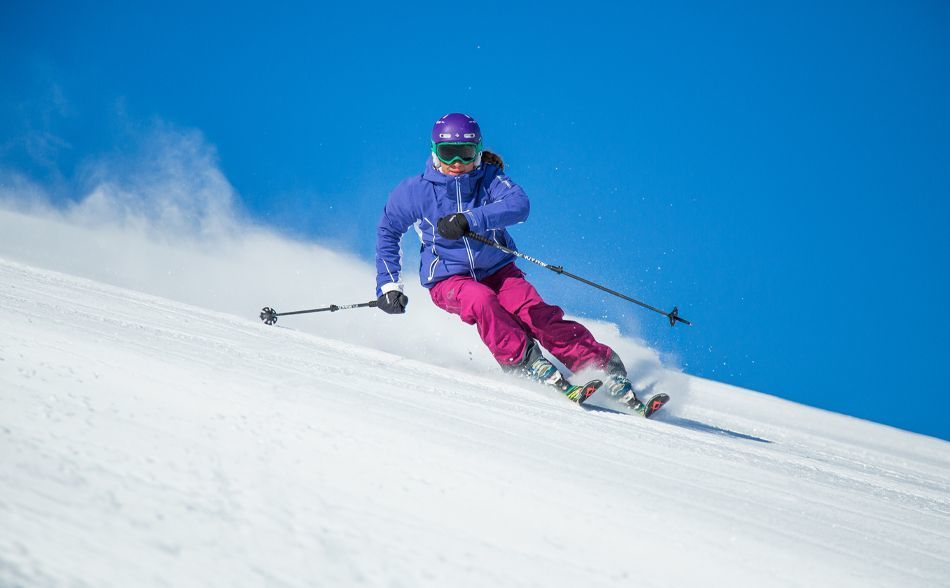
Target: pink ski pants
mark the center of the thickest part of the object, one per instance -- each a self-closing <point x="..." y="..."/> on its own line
<point x="507" y="310"/>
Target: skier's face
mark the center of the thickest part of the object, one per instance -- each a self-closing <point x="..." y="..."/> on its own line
<point x="457" y="168"/>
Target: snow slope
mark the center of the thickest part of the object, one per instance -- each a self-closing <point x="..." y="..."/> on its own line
<point x="146" y="442"/>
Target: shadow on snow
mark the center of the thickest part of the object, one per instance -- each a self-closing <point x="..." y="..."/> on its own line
<point x="704" y="428"/>
<point x="681" y="422"/>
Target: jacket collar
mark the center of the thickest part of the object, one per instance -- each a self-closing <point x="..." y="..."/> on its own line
<point x="436" y="177"/>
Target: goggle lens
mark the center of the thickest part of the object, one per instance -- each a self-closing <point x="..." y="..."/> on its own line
<point x="451" y="152"/>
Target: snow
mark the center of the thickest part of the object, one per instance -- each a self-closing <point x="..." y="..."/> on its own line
<point x="150" y="442"/>
<point x="153" y="432"/>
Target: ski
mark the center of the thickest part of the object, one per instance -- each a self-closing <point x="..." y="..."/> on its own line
<point x="645" y="409"/>
<point x="653" y="404"/>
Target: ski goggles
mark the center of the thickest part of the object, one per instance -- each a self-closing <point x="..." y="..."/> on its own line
<point x="449" y="153"/>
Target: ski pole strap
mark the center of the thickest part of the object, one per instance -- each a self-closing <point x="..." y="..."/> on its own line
<point x="672" y="316"/>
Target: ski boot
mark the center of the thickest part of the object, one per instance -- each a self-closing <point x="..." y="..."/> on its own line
<point x="543" y="371"/>
<point x="620" y="388"/>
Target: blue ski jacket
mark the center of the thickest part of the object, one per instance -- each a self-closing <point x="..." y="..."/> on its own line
<point x="490" y="201"/>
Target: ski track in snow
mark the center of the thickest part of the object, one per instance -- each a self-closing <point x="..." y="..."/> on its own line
<point x="144" y="442"/>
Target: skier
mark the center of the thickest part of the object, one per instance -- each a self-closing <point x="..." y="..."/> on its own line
<point x="464" y="188"/>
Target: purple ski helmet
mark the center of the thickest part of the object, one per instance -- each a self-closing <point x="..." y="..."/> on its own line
<point x="456" y="128"/>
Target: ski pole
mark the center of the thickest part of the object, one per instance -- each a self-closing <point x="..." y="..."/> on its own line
<point x="269" y="315"/>
<point x="673" y="316"/>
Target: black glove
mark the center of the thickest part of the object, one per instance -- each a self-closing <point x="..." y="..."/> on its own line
<point x="393" y="302"/>
<point x="453" y="226"/>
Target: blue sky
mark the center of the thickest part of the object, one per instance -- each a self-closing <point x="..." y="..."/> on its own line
<point x="779" y="173"/>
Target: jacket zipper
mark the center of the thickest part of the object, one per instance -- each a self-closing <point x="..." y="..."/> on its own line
<point x="468" y="248"/>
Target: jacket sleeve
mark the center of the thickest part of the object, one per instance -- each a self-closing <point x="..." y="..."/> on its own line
<point x="396" y="219"/>
<point x="509" y="205"/>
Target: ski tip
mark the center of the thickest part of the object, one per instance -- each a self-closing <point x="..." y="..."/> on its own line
<point x="587" y="390"/>
<point x="655" y="403"/>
